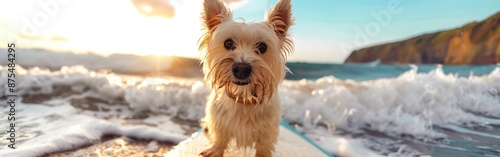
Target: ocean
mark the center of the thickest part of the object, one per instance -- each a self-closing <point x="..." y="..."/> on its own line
<point x="65" y="101"/>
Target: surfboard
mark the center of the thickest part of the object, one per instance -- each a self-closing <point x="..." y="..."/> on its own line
<point x="291" y="143"/>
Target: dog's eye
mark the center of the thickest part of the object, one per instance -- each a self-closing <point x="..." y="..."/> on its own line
<point x="262" y="47"/>
<point x="229" y="44"/>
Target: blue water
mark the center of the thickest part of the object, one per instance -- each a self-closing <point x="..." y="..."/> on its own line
<point x="371" y="71"/>
<point x="149" y="65"/>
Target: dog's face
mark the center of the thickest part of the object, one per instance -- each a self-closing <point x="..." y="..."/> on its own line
<point x="245" y="60"/>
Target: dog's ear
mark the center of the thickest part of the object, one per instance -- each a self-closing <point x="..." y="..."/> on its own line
<point x="214" y="13"/>
<point x="281" y="17"/>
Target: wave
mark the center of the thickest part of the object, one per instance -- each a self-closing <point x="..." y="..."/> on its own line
<point x="412" y="103"/>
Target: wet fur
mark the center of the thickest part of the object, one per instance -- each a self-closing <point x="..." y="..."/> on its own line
<point x="248" y="114"/>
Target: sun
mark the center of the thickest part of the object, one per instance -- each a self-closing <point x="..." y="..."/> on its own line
<point x="146" y="8"/>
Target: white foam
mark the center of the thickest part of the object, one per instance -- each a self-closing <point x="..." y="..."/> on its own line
<point x="409" y="104"/>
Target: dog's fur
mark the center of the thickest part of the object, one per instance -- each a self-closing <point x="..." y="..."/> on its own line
<point x="244" y="109"/>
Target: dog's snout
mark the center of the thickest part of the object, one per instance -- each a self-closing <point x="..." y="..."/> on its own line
<point x="242" y="70"/>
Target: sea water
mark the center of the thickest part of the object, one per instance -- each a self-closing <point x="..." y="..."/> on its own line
<point x="348" y="109"/>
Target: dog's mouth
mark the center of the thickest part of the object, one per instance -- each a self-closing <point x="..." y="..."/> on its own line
<point x="241" y="83"/>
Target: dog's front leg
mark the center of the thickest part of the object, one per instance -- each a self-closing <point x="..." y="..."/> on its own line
<point x="219" y="140"/>
<point x="264" y="146"/>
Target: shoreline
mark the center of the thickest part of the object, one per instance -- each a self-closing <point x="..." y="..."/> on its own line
<point x="107" y="145"/>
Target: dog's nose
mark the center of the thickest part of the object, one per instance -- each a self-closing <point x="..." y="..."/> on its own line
<point x="242" y="70"/>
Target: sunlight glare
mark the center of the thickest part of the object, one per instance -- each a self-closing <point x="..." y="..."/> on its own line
<point x="146" y="8"/>
<point x="115" y="26"/>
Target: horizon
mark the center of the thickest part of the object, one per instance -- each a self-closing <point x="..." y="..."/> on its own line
<point x="322" y="32"/>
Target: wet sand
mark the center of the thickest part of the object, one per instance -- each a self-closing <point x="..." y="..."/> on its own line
<point x="118" y="146"/>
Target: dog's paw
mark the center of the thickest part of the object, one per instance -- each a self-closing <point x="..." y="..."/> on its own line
<point x="211" y="152"/>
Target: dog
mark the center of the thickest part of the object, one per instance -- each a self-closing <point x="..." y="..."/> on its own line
<point x="243" y="64"/>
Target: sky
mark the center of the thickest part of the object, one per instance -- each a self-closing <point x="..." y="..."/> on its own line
<point x="325" y="31"/>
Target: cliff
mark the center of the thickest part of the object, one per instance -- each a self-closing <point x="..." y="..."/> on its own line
<point x="474" y="43"/>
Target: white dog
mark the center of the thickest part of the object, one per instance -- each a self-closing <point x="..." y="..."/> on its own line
<point x="243" y="64"/>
